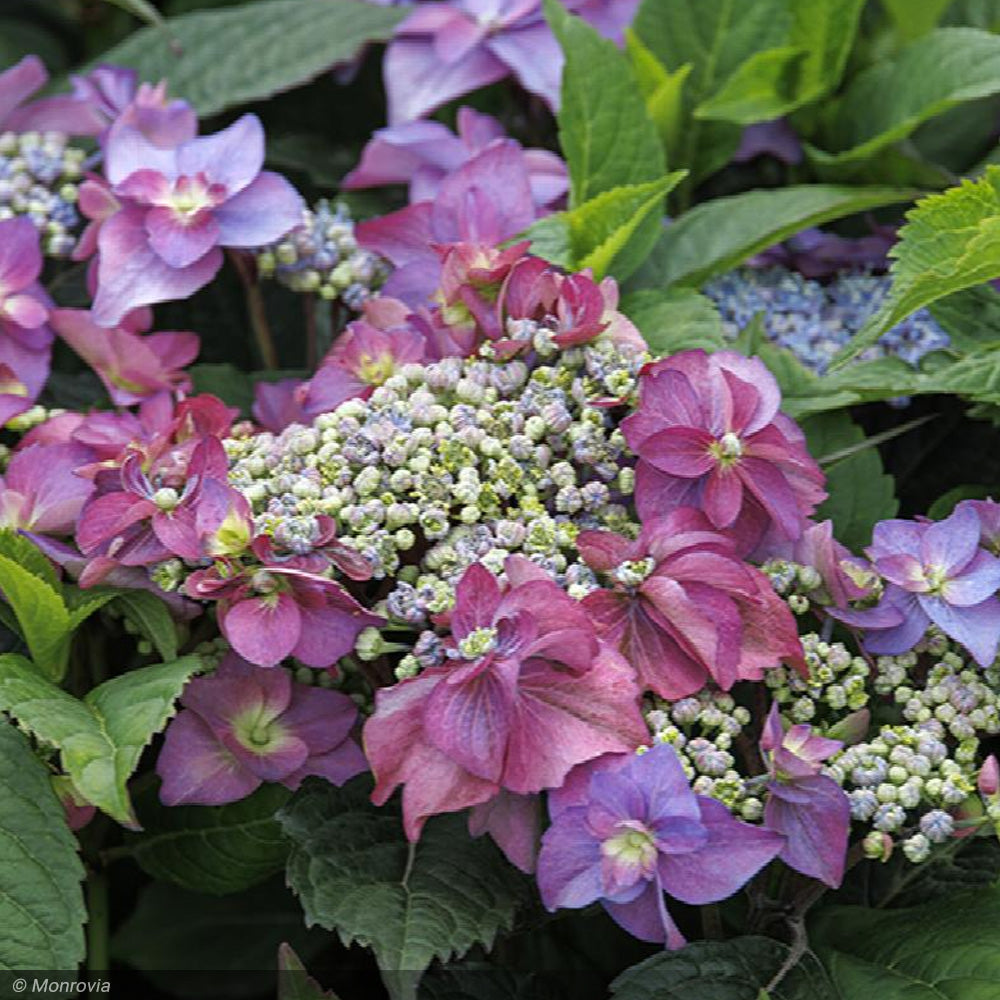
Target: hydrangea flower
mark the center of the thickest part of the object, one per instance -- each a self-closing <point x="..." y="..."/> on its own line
<point x="49" y="114"/>
<point x="643" y="832"/>
<point x="40" y="491"/>
<point x="444" y="50"/>
<point x="809" y="808"/>
<point x="709" y="435"/>
<point x="775" y="138"/>
<point x="935" y="573"/>
<point x="486" y="201"/>
<point x="132" y="367"/>
<point x="361" y="359"/>
<point x="525" y="694"/>
<point x="115" y="94"/>
<point x="179" y="208"/>
<point x="243" y="726"/>
<point x="25" y="338"/>
<point x="684" y="607"/>
<point x="423" y="153"/>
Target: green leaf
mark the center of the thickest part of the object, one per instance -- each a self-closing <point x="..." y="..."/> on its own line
<point x="861" y="493"/>
<point x="887" y="101"/>
<point x="354" y="873"/>
<point x="102" y="737"/>
<point x="911" y="20"/>
<point x="776" y="81"/>
<point x="737" y="969"/>
<point x="213" y="849"/>
<point x="608" y="233"/>
<point x="41" y="905"/>
<point x="971" y="318"/>
<point x="81" y="604"/>
<point x="141" y="9"/>
<point x="294" y="983"/>
<point x="947" y="502"/>
<point x="662" y="90"/>
<point x="232" y="386"/>
<point x="152" y="617"/>
<point x="606" y="135"/>
<point x="719" y="234"/>
<point x="763" y="88"/>
<point x="39" y="609"/>
<point x="677" y="319"/>
<point x="951" y="241"/>
<point x="22" y="550"/>
<point x="927" y="952"/>
<point x="714" y="37"/>
<point x="218" y="59"/>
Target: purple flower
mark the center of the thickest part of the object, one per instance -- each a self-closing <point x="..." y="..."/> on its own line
<point x="774" y="138"/>
<point x="485" y="202"/>
<point x="809" y="808"/>
<point x="41" y="492"/>
<point x="935" y="573"/>
<point x="278" y="404"/>
<point x="684" y="608"/>
<point x="709" y="435"/>
<point x="132" y="367"/>
<point x="360" y="360"/>
<point x="642" y="833"/>
<point x="49" y="114"/>
<point x="423" y="153"/>
<point x="244" y="725"/>
<point x="25" y="338"/>
<point x="444" y="50"/>
<point x="179" y="207"/>
<point x="116" y="95"/>
<point x="526" y="693"/>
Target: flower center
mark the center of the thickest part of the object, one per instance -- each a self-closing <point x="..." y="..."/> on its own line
<point x="633" y="847"/>
<point x="633" y="572"/>
<point x="478" y="643"/>
<point x="728" y="449"/>
<point x="375" y="370"/>
<point x="166" y="498"/>
<point x="936" y="577"/>
<point x="192" y="195"/>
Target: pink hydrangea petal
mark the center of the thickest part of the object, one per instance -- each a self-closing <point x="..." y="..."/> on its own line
<point x="477" y="598"/>
<point x="19" y="82"/>
<point x="24" y="310"/>
<point x="470" y="722"/>
<point x="515" y="824"/>
<point x="532" y="54"/>
<point x="263" y="630"/>
<point x="398" y="755"/>
<point x="128" y="151"/>
<point x="132" y="275"/>
<point x="20" y="256"/>
<point x="564" y="719"/>
<point x="180" y="243"/>
<point x="680" y="451"/>
<point x="196" y="769"/>
<point x="647" y="918"/>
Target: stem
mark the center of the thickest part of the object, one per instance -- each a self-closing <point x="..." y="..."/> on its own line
<point x="798" y="948"/>
<point x="97" y="922"/>
<point x="257" y="312"/>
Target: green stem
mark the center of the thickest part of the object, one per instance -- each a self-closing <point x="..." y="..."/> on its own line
<point x="257" y="312"/>
<point x="98" y="959"/>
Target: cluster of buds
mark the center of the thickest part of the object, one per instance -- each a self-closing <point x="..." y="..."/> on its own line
<point x="702" y="729"/>
<point x="911" y="782"/>
<point x="39" y="174"/>
<point x="452" y="463"/>
<point x="322" y="256"/>
<point x="837" y="682"/>
<point x="815" y="320"/>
